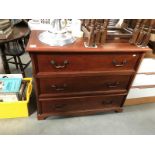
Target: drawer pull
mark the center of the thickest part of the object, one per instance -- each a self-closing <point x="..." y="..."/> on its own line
<point x="59" y="88"/>
<point x="59" y="106"/>
<point x="65" y="63"/>
<point x="117" y="64"/>
<point x="113" y="85"/>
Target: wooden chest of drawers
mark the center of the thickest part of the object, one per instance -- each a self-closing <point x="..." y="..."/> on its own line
<point x="74" y="80"/>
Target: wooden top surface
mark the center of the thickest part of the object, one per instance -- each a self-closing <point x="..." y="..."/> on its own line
<point x="34" y="45"/>
<point x="17" y="33"/>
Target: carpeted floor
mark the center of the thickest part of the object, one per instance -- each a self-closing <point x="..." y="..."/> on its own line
<point x="137" y="120"/>
<point x="133" y="120"/>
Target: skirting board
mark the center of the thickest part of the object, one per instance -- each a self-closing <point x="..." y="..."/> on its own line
<point x="141" y="100"/>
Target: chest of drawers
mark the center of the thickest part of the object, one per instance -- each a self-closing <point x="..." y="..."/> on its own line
<point x="74" y="80"/>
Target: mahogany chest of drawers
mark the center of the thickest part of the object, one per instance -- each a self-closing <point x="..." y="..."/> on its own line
<point x="74" y="80"/>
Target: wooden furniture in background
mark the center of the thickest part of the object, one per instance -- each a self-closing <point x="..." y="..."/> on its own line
<point x="100" y="31"/>
<point x="13" y="51"/>
<point x="142" y="30"/>
<point x="74" y="80"/>
<point x="95" y="30"/>
<point x="14" y="46"/>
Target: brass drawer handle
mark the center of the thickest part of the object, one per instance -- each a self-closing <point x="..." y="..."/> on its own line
<point x="59" y="88"/>
<point x="113" y="85"/>
<point x="59" y="106"/>
<point x="65" y="63"/>
<point x="117" y="64"/>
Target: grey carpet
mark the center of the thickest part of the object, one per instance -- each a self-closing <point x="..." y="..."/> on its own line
<point x="137" y="120"/>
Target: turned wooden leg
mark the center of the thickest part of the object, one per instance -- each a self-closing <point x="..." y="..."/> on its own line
<point x="41" y="117"/>
<point x="21" y="66"/>
<point x="16" y="63"/>
<point x="4" y="60"/>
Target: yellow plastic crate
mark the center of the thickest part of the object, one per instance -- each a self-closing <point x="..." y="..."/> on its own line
<point x="18" y="108"/>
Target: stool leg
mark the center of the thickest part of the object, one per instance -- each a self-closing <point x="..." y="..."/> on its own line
<point x="4" y="60"/>
<point x="15" y="59"/>
<point x="21" y="66"/>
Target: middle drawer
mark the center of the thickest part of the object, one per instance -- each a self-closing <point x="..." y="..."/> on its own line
<point x="62" y="85"/>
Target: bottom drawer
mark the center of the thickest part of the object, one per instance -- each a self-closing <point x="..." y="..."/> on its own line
<point x="81" y="103"/>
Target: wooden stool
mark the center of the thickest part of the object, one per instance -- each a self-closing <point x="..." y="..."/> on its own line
<point x="15" y="49"/>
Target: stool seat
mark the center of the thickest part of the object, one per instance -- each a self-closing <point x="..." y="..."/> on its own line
<point x="14" y="52"/>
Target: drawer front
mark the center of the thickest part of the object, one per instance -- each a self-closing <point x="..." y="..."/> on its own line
<point x="80" y="103"/>
<point x="61" y="85"/>
<point x="85" y="62"/>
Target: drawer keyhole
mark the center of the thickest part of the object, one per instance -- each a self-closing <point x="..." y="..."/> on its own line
<point x="59" y="106"/>
<point x="119" y="64"/>
<point x="59" y="88"/>
<point x="113" y="85"/>
<point x="107" y="102"/>
<point x="59" y="66"/>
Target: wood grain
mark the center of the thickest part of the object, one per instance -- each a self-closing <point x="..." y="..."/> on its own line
<point x="74" y="80"/>
<point x="78" y="46"/>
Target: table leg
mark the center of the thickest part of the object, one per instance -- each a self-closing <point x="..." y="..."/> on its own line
<point x="4" y="60"/>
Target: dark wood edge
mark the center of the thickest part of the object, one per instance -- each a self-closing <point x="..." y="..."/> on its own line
<point x="84" y="93"/>
<point x="82" y="74"/>
<point x="86" y="96"/>
<point x="136" y="69"/>
<point x="134" y="75"/>
<point x="79" y="113"/>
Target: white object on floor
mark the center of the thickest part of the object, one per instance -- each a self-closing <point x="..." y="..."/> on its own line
<point x="144" y="79"/>
<point x="141" y="92"/>
<point x="147" y="65"/>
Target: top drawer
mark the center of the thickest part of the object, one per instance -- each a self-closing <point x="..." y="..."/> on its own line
<point x="79" y="62"/>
